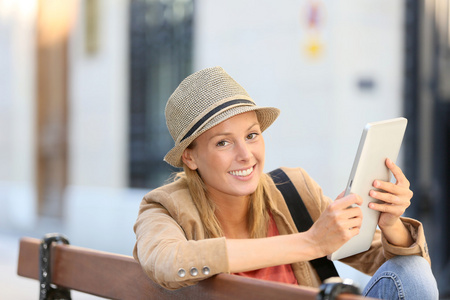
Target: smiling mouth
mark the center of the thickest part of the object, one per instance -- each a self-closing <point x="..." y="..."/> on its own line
<point x="242" y="173"/>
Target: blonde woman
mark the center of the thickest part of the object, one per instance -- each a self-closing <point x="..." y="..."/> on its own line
<point x="223" y="214"/>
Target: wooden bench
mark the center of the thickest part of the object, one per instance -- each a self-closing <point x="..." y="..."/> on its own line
<point x="117" y="276"/>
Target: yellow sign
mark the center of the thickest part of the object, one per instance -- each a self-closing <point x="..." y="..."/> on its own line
<point x="313" y="18"/>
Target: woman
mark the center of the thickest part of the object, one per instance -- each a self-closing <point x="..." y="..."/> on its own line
<point x="223" y="214"/>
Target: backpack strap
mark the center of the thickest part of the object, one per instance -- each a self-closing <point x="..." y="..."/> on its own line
<point x="302" y="219"/>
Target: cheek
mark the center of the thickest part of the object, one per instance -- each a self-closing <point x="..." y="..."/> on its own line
<point x="210" y="164"/>
<point x="260" y="151"/>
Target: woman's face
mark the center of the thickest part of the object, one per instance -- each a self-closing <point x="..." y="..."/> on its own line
<point x="229" y="156"/>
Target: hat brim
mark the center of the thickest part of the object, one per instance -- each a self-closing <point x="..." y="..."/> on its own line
<point x="266" y="116"/>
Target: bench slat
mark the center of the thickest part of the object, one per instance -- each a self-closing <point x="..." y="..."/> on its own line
<point x="117" y="276"/>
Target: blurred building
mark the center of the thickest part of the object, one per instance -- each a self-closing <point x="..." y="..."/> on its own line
<point x="83" y="85"/>
<point x="427" y="105"/>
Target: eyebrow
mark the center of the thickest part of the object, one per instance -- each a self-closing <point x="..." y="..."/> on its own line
<point x="229" y="133"/>
<point x="254" y="124"/>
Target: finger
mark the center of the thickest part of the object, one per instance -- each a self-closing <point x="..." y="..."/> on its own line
<point x="346" y="201"/>
<point x="398" y="173"/>
<point x="386" y="197"/>
<point x="351" y="227"/>
<point x="351" y="213"/>
<point x="387" y="208"/>
<point x="389" y="187"/>
<point x="354" y="223"/>
<point x="341" y="195"/>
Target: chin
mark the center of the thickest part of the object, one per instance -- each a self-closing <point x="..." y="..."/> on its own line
<point x="247" y="190"/>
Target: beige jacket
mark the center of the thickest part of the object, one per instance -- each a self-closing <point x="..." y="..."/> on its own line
<point x="172" y="249"/>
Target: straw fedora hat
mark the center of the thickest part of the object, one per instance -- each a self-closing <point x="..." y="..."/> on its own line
<point x="203" y="100"/>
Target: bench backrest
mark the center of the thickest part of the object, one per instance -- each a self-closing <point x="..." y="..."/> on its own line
<point x="117" y="276"/>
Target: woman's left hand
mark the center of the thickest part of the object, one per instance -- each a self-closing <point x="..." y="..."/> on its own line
<point x="396" y="197"/>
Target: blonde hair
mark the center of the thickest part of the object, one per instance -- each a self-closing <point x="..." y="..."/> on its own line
<point x="258" y="212"/>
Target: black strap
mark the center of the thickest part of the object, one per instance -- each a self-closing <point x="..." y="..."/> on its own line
<point x="302" y="219"/>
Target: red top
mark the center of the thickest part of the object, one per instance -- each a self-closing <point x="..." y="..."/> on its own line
<point x="283" y="273"/>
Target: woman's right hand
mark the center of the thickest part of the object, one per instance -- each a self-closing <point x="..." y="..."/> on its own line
<point x="337" y="224"/>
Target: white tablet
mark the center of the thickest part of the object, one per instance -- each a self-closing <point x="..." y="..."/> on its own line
<point x="379" y="140"/>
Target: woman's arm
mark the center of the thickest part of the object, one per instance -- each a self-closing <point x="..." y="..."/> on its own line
<point x="251" y="254"/>
<point x="336" y="225"/>
<point x="165" y="253"/>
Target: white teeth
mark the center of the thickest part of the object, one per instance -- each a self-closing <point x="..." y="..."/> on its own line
<point x="242" y="173"/>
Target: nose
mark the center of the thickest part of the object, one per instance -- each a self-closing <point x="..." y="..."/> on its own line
<point x="243" y="151"/>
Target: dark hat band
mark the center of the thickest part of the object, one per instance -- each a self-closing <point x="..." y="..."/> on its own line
<point x="213" y="112"/>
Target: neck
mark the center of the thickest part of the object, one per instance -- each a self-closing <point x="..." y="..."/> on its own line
<point x="233" y="217"/>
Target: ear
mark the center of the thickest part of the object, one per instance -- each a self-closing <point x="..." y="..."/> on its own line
<point x="188" y="158"/>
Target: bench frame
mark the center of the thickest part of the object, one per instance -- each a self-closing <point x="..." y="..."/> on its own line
<point x="116" y="276"/>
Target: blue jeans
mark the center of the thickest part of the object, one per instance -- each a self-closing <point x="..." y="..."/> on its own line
<point x="403" y="277"/>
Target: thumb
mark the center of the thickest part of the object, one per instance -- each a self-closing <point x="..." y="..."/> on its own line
<point x="341" y="195"/>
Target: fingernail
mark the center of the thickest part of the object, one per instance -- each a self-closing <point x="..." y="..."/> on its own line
<point x="376" y="183"/>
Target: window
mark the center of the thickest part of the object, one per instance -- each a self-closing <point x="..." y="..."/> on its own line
<point x="161" y="35"/>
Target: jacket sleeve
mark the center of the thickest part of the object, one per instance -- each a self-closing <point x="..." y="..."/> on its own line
<point x="381" y="250"/>
<point x="166" y="255"/>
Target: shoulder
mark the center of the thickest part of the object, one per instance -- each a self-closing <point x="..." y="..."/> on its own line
<point x="301" y="179"/>
<point x="177" y="188"/>
<point x="309" y="190"/>
<point x="173" y="197"/>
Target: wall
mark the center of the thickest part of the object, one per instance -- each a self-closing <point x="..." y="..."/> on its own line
<point x="17" y="120"/>
<point x="100" y="209"/>
<point x="98" y="99"/>
<point x="262" y="44"/>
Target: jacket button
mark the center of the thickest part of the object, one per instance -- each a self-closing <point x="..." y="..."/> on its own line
<point x="206" y="270"/>
<point x="193" y="271"/>
<point x="181" y="272"/>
